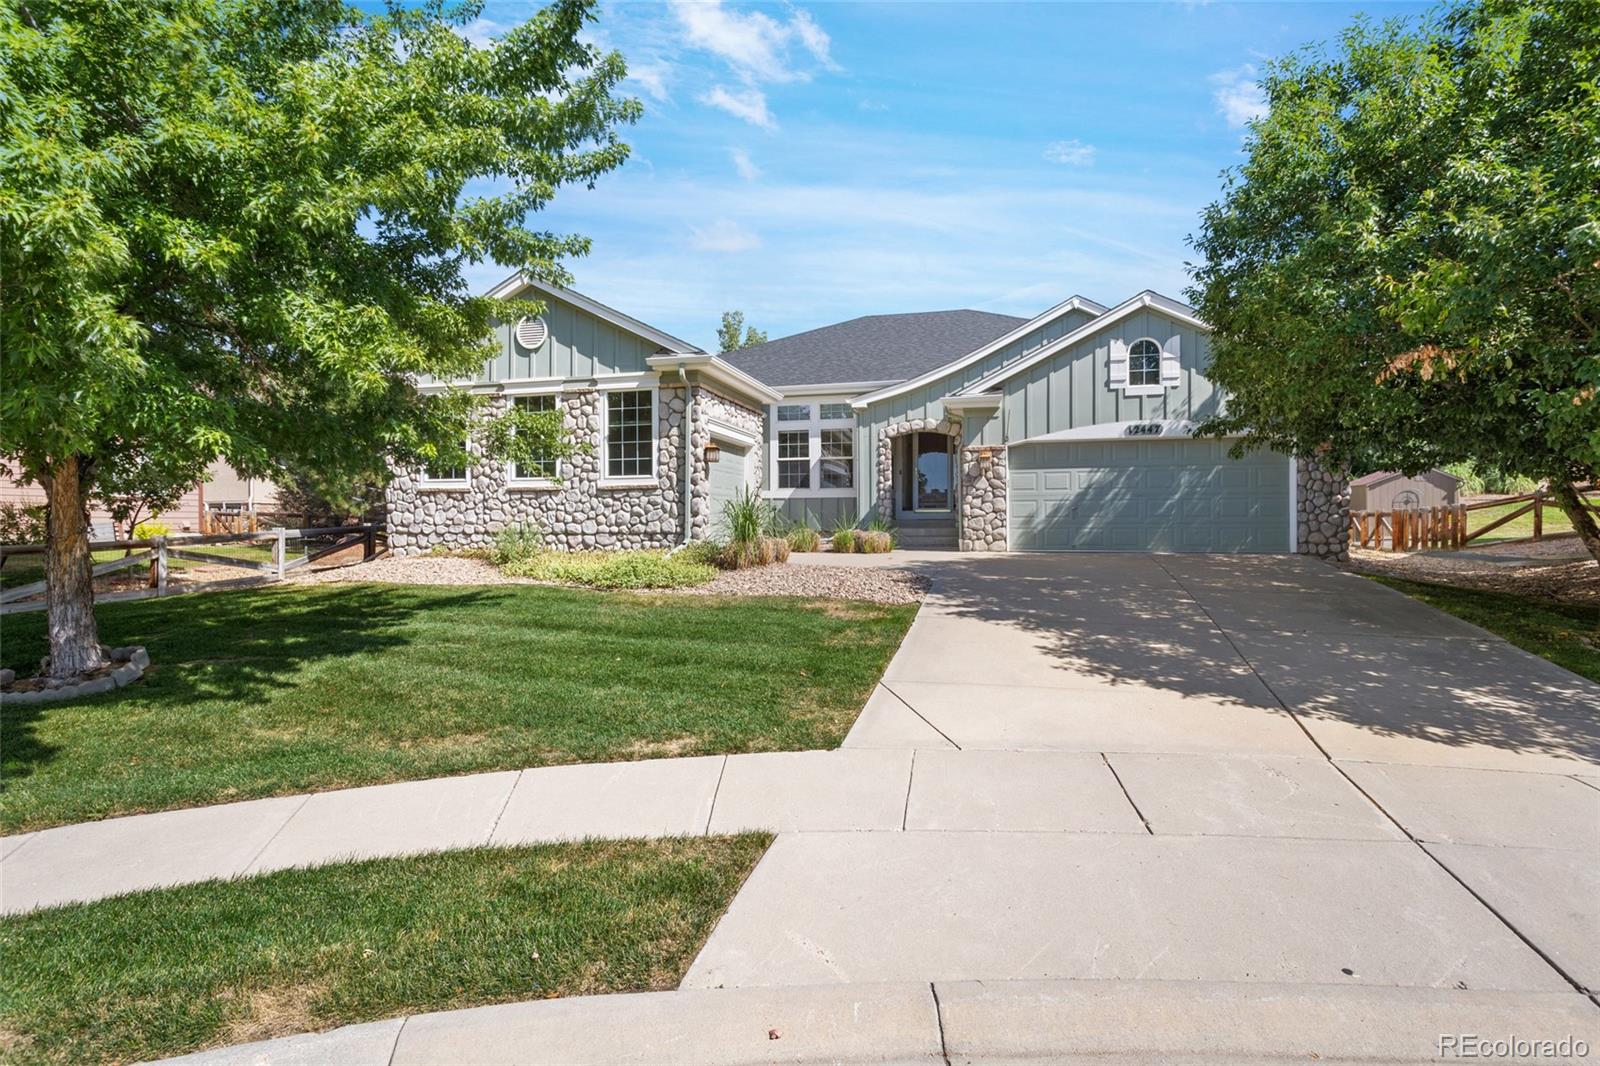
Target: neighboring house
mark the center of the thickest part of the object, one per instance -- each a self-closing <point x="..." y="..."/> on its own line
<point x="222" y="491"/>
<point x="1387" y="490"/>
<point x="1071" y="430"/>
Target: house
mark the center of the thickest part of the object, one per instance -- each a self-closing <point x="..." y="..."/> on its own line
<point x="224" y="491"/>
<point x="1071" y="430"/>
<point x="1388" y="490"/>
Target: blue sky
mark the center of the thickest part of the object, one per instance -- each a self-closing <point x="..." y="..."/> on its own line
<point x="807" y="163"/>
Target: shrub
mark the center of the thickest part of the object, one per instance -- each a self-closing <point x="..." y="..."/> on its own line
<point x="515" y="543"/>
<point x="146" y="530"/>
<point x="804" y="539"/>
<point x="22" y="525"/>
<point x="843" y="539"/>
<point x="747" y="517"/>
<point x="872" y="541"/>
<point x="614" y="570"/>
<point x="1479" y="480"/>
<point x="704" y="552"/>
<point x="744" y="554"/>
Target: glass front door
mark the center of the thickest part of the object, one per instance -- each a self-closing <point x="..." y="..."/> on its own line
<point x="931" y="472"/>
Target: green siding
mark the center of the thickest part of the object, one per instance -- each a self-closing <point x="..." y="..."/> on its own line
<point x="579" y="346"/>
<point x="824" y="513"/>
<point x="1070" y="389"/>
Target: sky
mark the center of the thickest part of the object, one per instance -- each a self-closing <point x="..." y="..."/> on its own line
<point x="807" y="163"/>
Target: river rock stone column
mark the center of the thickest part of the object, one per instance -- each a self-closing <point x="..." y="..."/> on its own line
<point x="573" y="513"/>
<point x="884" y="474"/>
<point x="1323" y="510"/>
<point x="983" y="500"/>
<point x="712" y="407"/>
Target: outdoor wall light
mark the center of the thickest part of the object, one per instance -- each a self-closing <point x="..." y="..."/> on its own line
<point x="986" y="455"/>
<point x="713" y="452"/>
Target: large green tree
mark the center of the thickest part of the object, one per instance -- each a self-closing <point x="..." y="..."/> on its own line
<point x="1405" y="271"/>
<point x="239" y="228"/>
<point x="733" y="334"/>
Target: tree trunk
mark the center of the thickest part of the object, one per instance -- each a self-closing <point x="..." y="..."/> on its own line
<point x="1565" y="493"/>
<point x="69" y="590"/>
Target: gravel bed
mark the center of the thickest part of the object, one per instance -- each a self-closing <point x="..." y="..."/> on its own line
<point x="1556" y="569"/>
<point x="878" y="584"/>
<point x="881" y="585"/>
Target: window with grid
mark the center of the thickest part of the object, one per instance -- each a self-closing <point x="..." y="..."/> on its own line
<point x="835" y="412"/>
<point x="794" y="459"/>
<point x="838" y="449"/>
<point x="794" y="412"/>
<point x="630" y="434"/>
<point x="444" y="473"/>
<point x="1144" y="363"/>
<point x="540" y="467"/>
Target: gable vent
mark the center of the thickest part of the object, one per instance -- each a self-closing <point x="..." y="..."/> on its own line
<point x="531" y="333"/>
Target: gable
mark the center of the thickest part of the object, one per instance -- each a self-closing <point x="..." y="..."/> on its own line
<point x="1072" y="387"/>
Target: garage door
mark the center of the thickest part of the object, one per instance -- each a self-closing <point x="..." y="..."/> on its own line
<point x="727" y="477"/>
<point x="1157" y="495"/>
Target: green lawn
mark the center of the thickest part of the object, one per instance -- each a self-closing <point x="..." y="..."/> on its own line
<point x="1518" y="528"/>
<point x="1566" y="634"/>
<point x="291" y="689"/>
<point x="169" y="971"/>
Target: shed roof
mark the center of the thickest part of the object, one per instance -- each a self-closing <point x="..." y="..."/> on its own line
<point x="871" y="348"/>
<point x="1378" y="477"/>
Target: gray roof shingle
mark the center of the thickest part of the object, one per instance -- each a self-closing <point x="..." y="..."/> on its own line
<point x="872" y="348"/>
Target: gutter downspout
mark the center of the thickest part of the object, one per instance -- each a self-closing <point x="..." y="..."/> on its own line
<point x="688" y="456"/>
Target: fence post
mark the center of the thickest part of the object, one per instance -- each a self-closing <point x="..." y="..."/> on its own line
<point x="369" y="544"/>
<point x="161" y="566"/>
<point x="1538" y="515"/>
<point x="280" y="550"/>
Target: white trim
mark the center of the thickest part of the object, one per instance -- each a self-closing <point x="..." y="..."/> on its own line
<point x="719" y="371"/>
<point x="1147" y="300"/>
<point x="808" y="494"/>
<point x="813" y="427"/>
<point x="989" y="400"/>
<point x="828" y="388"/>
<point x="630" y="480"/>
<point x="517" y="281"/>
<point x="1072" y="303"/>
<point x="533" y="387"/>
<point x="644" y="379"/>
<point x="1294" y="505"/>
<point x="742" y="437"/>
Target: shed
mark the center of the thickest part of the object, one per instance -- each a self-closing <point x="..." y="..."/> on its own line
<point x="1387" y="490"/>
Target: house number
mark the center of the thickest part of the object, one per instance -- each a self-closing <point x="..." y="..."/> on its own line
<point x="1143" y="429"/>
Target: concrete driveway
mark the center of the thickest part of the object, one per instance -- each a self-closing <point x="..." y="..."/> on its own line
<point x="1254" y="773"/>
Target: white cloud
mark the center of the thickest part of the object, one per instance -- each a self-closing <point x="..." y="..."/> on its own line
<point x="1238" y="97"/>
<point x="482" y="32"/>
<point x="651" y="79"/>
<point x="744" y="164"/>
<point x="757" y="46"/>
<point x="723" y="235"/>
<point x="748" y="104"/>
<point x="1073" y="153"/>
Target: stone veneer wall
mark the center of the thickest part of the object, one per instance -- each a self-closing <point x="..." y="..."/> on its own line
<point x="712" y="407"/>
<point x="577" y="513"/>
<point x="983" y="501"/>
<point x="884" y="487"/>
<point x="1323" y="519"/>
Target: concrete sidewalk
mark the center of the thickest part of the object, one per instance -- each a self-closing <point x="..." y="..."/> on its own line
<point x="1059" y="1021"/>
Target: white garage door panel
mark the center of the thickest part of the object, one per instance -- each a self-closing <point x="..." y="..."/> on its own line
<point x="1169" y="495"/>
<point x="729" y="476"/>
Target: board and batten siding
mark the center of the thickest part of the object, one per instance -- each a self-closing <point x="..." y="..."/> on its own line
<point x="1071" y="389"/>
<point x="821" y="513"/>
<point x="927" y="401"/>
<point x="579" y="346"/>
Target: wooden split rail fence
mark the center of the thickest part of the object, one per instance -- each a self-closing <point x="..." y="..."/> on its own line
<point x="1448" y="528"/>
<point x="154" y="552"/>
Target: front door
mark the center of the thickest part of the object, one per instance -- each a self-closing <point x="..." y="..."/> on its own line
<point x="929" y="473"/>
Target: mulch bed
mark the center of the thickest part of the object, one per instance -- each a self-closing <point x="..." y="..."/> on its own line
<point x="1556" y="569"/>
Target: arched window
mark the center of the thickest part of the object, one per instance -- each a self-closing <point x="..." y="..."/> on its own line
<point x="1144" y="363"/>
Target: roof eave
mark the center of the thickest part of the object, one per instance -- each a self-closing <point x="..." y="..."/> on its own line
<point x="718" y="370"/>
<point x="594" y="307"/>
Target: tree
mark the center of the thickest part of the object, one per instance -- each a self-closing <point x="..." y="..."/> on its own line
<point x="733" y="334"/>
<point x="238" y="228"/>
<point x="1406" y="267"/>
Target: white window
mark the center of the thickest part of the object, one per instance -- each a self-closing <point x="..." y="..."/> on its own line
<point x="838" y="459"/>
<point x="811" y="448"/>
<point x="794" y="459"/>
<point x="445" y="477"/>
<point x="1144" y="364"/>
<point x="540" y="469"/>
<point x="630" y="435"/>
